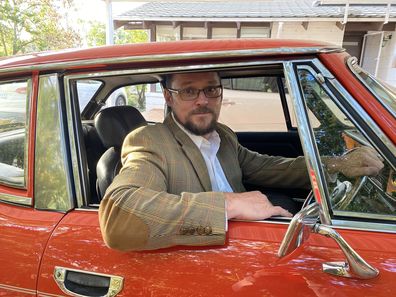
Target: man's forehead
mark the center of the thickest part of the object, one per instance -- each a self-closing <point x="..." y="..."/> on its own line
<point x="190" y="78"/>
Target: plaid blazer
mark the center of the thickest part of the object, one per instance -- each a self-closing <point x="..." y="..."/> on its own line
<point x="163" y="197"/>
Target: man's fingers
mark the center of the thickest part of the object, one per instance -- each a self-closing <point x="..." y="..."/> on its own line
<point x="279" y="211"/>
<point x="362" y="161"/>
<point x="374" y="161"/>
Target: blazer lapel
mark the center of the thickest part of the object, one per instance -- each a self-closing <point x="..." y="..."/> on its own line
<point x="192" y="153"/>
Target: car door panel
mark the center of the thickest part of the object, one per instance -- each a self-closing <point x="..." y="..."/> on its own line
<point x="24" y="234"/>
<point x="246" y="266"/>
<point x="285" y="144"/>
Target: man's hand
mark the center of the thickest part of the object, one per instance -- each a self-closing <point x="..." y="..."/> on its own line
<point x="359" y="162"/>
<point x="252" y="206"/>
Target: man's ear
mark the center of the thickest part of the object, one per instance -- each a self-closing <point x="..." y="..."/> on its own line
<point x="168" y="97"/>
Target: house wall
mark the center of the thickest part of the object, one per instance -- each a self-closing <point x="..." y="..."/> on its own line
<point x="322" y="31"/>
<point x="387" y="62"/>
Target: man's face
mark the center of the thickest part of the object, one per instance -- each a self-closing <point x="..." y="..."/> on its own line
<point x="199" y="116"/>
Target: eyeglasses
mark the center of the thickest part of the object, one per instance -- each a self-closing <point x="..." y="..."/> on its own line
<point x="190" y="94"/>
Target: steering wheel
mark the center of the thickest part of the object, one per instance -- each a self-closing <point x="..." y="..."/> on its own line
<point x="345" y="192"/>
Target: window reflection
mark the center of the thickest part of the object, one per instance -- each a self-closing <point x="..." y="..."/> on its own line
<point x="13" y="131"/>
<point x="335" y="136"/>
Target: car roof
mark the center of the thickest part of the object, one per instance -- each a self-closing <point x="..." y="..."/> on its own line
<point x="77" y="58"/>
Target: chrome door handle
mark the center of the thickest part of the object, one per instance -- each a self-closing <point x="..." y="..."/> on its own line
<point x="88" y="284"/>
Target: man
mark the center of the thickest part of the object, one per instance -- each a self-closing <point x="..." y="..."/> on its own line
<point x="182" y="180"/>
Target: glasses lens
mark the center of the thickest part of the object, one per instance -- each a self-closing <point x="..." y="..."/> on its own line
<point x="213" y="92"/>
<point x="189" y="94"/>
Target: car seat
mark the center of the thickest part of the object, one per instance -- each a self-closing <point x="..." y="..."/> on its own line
<point x="113" y="124"/>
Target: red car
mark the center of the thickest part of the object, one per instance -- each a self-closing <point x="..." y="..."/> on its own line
<point x="284" y="98"/>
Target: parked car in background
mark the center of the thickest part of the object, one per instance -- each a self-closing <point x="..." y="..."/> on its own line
<point x="281" y="97"/>
<point x="87" y="89"/>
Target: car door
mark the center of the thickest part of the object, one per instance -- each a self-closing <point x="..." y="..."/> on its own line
<point x="24" y="230"/>
<point x="77" y="262"/>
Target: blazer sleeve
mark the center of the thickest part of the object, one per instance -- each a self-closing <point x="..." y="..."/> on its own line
<point x="265" y="170"/>
<point x="273" y="171"/>
<point x="138" y="213"/>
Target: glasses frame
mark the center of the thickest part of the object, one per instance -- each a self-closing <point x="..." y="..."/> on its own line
<point x="180" y="92"/>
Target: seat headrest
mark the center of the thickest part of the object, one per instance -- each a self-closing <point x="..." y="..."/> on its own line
<point x="113" y="124"/>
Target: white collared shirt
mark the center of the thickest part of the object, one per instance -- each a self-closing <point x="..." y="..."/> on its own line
<point x="209" y="148"/>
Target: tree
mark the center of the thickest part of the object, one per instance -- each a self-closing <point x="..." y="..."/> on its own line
<point x="34" y="25"/>
<point x="97" y="35"/>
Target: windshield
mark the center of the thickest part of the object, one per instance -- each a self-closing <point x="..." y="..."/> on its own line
<point x="383" y="92"/>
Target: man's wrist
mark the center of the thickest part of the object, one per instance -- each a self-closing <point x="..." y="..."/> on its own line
<point x="332" y="164"/>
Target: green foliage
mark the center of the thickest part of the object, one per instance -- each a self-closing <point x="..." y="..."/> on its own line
<point x="97" y="35"/>
<point x="130" y="36"/>
<point x="137" y="96"/>
<point x="34" y="25"/>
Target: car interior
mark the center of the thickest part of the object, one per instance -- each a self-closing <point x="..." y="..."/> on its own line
<point x="104" y="128"/>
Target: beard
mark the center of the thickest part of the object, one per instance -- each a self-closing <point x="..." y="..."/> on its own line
<point x="200" y="129"/>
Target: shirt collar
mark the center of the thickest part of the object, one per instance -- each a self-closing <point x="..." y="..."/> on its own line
<point x="198" y="140"/>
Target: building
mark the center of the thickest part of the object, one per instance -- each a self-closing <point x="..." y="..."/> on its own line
<point x="367" y="31"/>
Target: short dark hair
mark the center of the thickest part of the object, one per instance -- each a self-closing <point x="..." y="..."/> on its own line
<point x="167" y="80"/>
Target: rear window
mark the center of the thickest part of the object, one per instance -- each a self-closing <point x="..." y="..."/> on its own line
<point x="13" y="132"/>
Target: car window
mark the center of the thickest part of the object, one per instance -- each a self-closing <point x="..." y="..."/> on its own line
<point x="249" y="104"/>
<point x="147" y="98"/>
<point x="337" y="135"/>
<point x="86" y="89"/>
<point x="13" y="132"/>
<point x="252" y="104"/>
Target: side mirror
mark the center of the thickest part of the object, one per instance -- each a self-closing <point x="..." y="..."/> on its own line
<point x="300" y="228"/>
<point x="306" y="222"/>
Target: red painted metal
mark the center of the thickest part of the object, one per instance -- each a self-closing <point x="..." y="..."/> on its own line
<point x="154" y="48"/>
<point x="24" y="233"/>
<point x="246" y="266"/>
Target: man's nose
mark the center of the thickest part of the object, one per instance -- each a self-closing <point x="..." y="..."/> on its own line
<point x="201" y="99"/>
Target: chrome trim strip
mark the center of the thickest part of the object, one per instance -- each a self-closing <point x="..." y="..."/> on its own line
<point x="363" y="226"/>
<point x="16" y="199"/>
<point x="171" y="68"/>
<point x="351" y="62"/>
<point x="374" y="216"/>
<point x="77" y="167"/>
<point x="45" y="294"/>
<point x="175" y="57"/>
<point x="30" y="98"/>
<point x="18" y="289"/>
<point x="89" y="209"/>
<point x="308" y="144"/>
<point x="339" y="224"/>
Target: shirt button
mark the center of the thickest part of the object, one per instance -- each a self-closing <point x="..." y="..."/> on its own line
<point x="208" y="230"/>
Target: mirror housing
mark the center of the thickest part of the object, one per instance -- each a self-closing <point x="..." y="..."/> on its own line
<point x="300" y="228"/>
<point x="306" y="222"/>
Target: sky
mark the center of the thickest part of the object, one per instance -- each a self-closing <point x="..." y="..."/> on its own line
<point x="95" y="10"/>
<point x="88" y="11"/>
